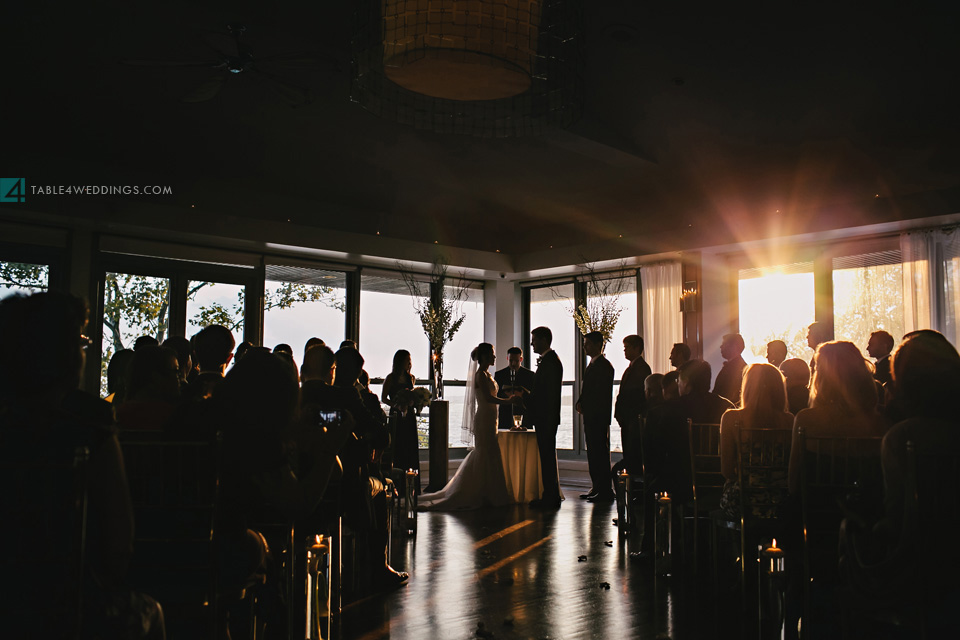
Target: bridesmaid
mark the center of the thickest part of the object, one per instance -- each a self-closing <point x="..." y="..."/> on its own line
<point x="406" y="448"/>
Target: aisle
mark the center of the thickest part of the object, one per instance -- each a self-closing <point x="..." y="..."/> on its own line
<point x="520" y="573"/>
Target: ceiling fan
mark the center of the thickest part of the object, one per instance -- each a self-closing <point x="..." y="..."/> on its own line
<point x="235" y="59"/>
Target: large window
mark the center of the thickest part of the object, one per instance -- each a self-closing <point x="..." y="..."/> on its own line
<point x="776" y="303"/>
<point x="867" y="296"/>
<point x="621" y="294"/>
<point x="552" y="307"/>
<point x="23" y="277"/>
<point x="389" y="322"/>
<point x="301" y="303"/>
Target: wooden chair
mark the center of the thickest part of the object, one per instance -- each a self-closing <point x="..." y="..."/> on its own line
<point x="912" y="580"/>
<point x="44" y="506"/>
<point x="705" y="479"/>
<point x="174" y="492"/>
<point x="763" y="457"/>
<point x="837" y="474"/>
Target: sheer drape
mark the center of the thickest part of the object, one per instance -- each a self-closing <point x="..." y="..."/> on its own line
<point x="931" y="281"/>
<point x="662" y="322"/>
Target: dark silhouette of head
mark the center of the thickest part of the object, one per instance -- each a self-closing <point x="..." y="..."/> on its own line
<point x="283" y="347"/>
<point x="318" y="364"/>
<point x="776" y="352"/>
<point x="154" y="374"/>
<point x="926" y="375"/>
<point x="184" y="354"/>
<point x="312" y="342"/>
<point x="242" y="350"/>
<point x="679" y="354"/>
<point x="731" y="346"/>
<point x="214" y="347"/>
<point x="482" y="354"/>
<point x="540" y="339"/>
<point x="763" y="395"/>
<point x="401" y="362"/>
<point x="117" y="374"/>
<point x="695" y="378"/>
<point x="145" y="341"/>
<point x="671" y="385"/>
<point x="842" y="379"/>
<point x="258" y="399"/>
<point x="349" y="364"/>
<point x="816" y="334"/>
<point x="880" y="344"/>
<point x="796" y="372"/>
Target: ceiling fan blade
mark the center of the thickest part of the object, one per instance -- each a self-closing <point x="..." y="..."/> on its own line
<point x="206" y="91"/>
<point x="170" y="63"/>
<point x="292" y="93"/>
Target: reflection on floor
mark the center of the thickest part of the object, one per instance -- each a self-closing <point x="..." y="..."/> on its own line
<point x="522" y="573"/>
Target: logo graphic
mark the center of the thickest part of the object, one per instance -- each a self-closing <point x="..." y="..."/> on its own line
<point x="13" y="190"/>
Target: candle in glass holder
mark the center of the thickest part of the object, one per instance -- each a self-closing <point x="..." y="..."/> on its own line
<point x="411" y="499"/>
<point x="771" y="558"/>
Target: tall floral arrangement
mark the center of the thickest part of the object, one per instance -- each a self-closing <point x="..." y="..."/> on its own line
<point x="602" y="308"/>
<point x="438" y="303"/>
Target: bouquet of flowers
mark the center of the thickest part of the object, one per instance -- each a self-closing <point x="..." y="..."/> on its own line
<point x="416" y="398"/>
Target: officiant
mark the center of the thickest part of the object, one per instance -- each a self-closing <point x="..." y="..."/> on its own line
<point x="512" y="379"/>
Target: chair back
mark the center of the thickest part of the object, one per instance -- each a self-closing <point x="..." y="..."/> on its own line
<point x="705" y="476"/>
<point x="838" y="473"/>
<point x="174" y="487"/>
<point x="44" y="506"/>
<point x="763" y="457"/>
<point x="933" y="503"/>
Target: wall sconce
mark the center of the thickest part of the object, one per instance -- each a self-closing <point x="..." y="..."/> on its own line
<point x="688" y="299"/>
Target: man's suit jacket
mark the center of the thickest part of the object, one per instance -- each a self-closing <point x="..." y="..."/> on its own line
<point x="596" y="392"/>
<point x="543" y="406"/>
<point x="632" y="399"/>
<point x="523" y="378"/>
<point x="730" y="379"/>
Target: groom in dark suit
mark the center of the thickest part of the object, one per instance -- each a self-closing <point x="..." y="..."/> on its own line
<point x="510" y="380"/>
<point x="543" y="409"/>
<point x="595" y="404"/>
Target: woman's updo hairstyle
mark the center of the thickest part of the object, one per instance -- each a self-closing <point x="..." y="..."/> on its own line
<point x="484" y="348"/>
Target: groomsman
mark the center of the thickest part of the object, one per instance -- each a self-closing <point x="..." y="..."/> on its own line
<point x="512" y="379"/>
<point x="632" y="402"/>
<point x="595" y="404"/>
<point x="543" y="409"/>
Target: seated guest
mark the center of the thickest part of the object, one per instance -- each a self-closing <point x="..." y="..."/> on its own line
<point x="763" y="406"/>
<point x="153" y="390"/>
<point x="730" y="378"/>
<point x="776" y="352"/>
<point x="671" y="390"/>
<point x="46" y="418"/>
<point x="797" y="375"/>
<point x="257" y="406"/>
<point x="653" y="390"/>
<point x="843" y="401"/>
<point x="696" y="401"/>
<point x="117" y="372"/>
<point x="184" y="356"/>
<point x="363" y="497"/>
<point x="926" y="382"/>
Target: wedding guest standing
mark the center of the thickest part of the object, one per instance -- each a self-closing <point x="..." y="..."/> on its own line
<point x="632" y="401"/>
<point x="730" y="377"/>
<point x="879" y="347"/>
<point x="594" y="404"/>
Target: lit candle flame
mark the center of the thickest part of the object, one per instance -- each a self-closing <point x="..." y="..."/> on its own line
<point x="774" y="543"/>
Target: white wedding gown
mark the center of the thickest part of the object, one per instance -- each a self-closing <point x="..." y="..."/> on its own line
<point x="480" y="480"/>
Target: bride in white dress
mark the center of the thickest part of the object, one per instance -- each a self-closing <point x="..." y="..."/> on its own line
<point x="480" y="480"/>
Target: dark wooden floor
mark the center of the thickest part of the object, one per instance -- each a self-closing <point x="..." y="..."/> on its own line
<point x="518" y="572"/>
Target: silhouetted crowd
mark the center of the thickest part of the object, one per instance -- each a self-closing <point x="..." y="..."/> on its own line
<point x="306" y="445"/>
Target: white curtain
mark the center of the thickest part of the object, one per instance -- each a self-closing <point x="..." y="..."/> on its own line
<point x="931" y="281"/>
<point x="662" y="322"/>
